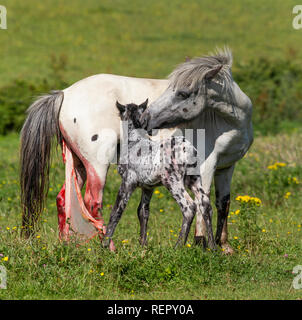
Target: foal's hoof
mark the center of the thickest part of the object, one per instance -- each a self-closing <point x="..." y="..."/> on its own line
<point x="200" y="241"/>
<point x="227" y="249"/>
<point x="112" y="246"/>
<point x="212" y="246"/>
<point x="107" y="243"/>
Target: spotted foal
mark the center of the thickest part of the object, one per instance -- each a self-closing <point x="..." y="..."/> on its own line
<point x="146" y="164"/>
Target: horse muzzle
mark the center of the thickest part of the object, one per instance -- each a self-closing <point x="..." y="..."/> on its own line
<point x="145" y="119"/>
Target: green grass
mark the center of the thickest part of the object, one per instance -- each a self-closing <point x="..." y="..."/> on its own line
<point x="138" y="38"/>
<point x="45" y="268"/>
<point x="66" y="41"/>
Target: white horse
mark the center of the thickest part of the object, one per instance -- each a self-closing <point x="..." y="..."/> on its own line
<point x="85" y="120"/>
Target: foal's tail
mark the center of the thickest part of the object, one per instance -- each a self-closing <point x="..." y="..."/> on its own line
<point x="41" y="124"/>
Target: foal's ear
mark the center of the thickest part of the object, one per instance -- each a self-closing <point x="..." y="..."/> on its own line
<point x="144" y="105"/>
<point x="213" y="72"/>
<point x="121" y="108"/>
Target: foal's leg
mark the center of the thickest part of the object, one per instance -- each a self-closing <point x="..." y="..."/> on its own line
<point x="186" y="203"/>
<point x="207" y="171"/>
<point x="222" y="186"/>
<point x="124" y="193"/>
<point x="194" y="183"/>
<point x="143" y="214"/>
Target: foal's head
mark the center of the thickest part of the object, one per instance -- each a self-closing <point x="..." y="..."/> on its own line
<point x="132" y="113"/>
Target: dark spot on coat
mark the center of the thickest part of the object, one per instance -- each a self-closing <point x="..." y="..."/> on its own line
<point x="94" y="137"/>
<point x="139" y="152"/>
<point x="74" y="120"/>
<point x="173" y="142"/>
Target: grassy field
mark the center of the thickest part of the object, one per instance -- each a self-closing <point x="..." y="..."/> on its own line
<point x="261" y="268"/>
<point x="138" y="38"/>
<point x="55" y="40"/>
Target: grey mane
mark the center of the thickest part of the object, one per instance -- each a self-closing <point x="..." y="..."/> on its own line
<point x="190" y="74"/>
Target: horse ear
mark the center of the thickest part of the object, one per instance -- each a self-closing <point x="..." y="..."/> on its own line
<point x="144" y="105"/>
<point x="213" y="72"/>
<point x="121" y="108"/>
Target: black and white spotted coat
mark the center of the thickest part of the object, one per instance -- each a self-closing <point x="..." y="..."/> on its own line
<point x="145" y="163"/>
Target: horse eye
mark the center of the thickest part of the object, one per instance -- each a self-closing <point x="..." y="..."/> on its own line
<point x="183" y="94"/>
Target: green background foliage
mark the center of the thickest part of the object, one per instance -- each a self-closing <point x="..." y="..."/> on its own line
<point x="51" y="44"/>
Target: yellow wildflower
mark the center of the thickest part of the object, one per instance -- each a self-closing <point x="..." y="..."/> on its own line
<point x="286" y="196"/>
<point x="276" y="165"/>
<point x="295" y="180"/>
<point x="248" y="199"/>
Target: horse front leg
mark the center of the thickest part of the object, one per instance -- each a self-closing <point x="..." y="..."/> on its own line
<point x="223" y="180"/>
<point x="143" y="214"/>
<point x="124" y="193"/>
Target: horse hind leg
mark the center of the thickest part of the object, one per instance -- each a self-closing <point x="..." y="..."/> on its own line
<point x="187" y="206"/>
<point x="60" y="200"/>
<point x="93" y="198"/>
<point x="61" y="211"/>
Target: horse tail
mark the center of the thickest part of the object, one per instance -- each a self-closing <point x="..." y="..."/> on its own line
<point x="41" y="125"/>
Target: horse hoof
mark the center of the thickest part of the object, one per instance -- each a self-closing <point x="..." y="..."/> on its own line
<point x="200" y="241"/>
<point x="212" y="246"/>
<point x="106" y="243"/>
